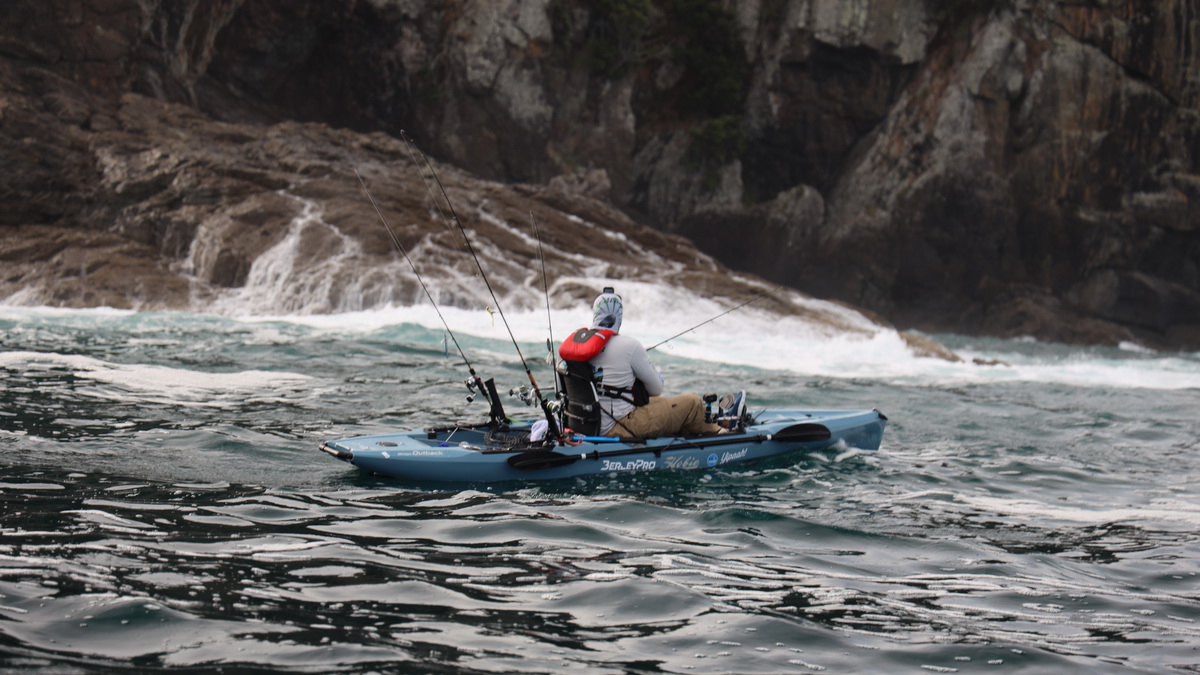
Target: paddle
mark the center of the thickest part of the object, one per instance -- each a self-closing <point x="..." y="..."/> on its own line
<point x="806" y="432"/>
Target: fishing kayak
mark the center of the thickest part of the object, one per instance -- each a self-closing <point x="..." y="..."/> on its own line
<point x="503" y="450"/>
<point x="496" y="453"/>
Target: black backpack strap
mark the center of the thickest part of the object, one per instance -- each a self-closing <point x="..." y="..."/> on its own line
<point x="636" y="395"/>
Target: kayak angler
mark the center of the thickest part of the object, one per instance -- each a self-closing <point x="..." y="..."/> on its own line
<point x="598" y="395"/>
<point x="613" y="388"/>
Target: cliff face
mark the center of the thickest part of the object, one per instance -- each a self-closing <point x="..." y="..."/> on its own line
<point x="1038" y="176"/>
<point x="979" y="165"/>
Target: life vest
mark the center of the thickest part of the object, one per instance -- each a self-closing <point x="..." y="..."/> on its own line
<point x="585" y="344"/>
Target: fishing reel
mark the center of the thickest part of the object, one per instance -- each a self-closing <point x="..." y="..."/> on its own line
<point x="474" y="388"/>
<point x="524" y="393"/>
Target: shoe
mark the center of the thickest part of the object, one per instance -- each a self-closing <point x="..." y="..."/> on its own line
<point x="733" y="405"/>
<point x="733" y="410"/>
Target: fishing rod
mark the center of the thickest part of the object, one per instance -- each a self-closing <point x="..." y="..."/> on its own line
<point x="763" y="294"/>
<point x="553" y="430"/>
<point x="545" y="291"/>
<point x="429" y="188"/>
<point x="475" y="383"/>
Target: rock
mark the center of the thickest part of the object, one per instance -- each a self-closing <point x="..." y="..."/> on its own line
<point x="994" y="169"/>
<point x="186" y="212"/>
<point x="593" y="183"/>
<point x="56" y="266"/>
<point x="667" y="183"/>
<point x="926" y="348"/>
<point x="740" y="233"/>
<point x="965" y="166"/>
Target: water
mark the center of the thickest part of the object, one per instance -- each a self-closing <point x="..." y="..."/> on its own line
<point x="165" y="508"/>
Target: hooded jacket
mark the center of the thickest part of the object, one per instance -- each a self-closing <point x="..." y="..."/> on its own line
<point x="622" y="362"/>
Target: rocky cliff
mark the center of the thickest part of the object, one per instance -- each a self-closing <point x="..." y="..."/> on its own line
<point x="1006" y="167"/>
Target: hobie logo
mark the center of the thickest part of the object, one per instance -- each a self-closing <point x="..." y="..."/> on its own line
<point x="712" y="459"/>
<point x="683" y="463"/>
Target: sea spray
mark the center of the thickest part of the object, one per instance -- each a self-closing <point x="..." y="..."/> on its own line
<point x="314" y="268"/>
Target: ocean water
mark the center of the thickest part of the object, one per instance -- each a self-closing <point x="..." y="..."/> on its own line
<point x="164" y="506"/>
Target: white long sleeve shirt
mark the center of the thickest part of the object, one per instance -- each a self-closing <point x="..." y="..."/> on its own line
<point x="623" y="361"/>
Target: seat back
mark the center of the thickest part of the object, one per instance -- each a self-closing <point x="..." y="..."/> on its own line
<point x="581" y="413"/>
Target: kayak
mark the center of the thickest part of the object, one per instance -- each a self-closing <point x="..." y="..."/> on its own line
<point x="492" y="452"/>
<point x="505" y="450"/>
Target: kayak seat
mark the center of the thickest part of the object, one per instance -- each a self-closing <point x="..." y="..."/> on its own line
<point x="581" y="411"/>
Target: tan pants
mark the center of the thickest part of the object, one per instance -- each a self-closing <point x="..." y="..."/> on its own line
<point x="683" y="414"/>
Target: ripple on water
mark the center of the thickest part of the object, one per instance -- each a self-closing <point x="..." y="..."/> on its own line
<point x="487" y="581"/>
<point x="1004" y="527"/>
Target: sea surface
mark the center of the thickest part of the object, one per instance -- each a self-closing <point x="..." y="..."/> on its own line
<point x="164" y="507"/>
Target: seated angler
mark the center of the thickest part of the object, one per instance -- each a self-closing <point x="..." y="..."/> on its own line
<point x="627" y="387"/>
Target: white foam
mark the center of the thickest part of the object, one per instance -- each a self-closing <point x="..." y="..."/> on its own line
<point x="653" y="313"/>
<point x="843" y="344"/>
<point x="291" y="278"/>
<point x="1157" y="511"/>
<point x="15" y="311"/>
<point x="157" y="383"/>
<point x="1118" y="368"/>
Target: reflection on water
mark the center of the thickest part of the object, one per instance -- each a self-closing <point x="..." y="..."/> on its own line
<point x="620" y="576"/>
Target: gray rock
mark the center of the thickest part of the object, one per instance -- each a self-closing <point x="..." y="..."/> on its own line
<point x="1010" y="168"/>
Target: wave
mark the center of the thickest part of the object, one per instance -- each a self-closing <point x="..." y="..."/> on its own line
<point x="160" y="384"/>
<point x="750" y="338"/>
<point x="764" y="340"/>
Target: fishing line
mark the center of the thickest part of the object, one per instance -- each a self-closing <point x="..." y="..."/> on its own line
<point x="436" y="204"/>
<point x="420" y="280"/>
<point x="760" y="295"/>
<point x="495" y="300"/>
<point x="546" y="291"/>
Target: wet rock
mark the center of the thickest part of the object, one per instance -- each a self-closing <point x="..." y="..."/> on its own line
<point x="965" y="166"/>
<point x="927" y="348"/>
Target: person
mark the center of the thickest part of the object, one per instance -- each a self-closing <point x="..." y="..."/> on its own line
<point x="630" y="388"/>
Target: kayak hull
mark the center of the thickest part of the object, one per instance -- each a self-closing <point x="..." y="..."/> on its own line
<point x="480" y="454"/>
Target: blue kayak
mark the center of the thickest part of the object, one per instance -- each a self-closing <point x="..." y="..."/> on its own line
<point x="494" y="453"/>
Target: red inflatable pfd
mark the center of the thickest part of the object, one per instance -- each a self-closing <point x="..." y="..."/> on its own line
<point x="585" y="344"/>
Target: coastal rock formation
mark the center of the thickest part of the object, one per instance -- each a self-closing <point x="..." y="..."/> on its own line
<point x="1038" y="177"/>
<point x="178" y="211"/>
<point x="993" y="166"/>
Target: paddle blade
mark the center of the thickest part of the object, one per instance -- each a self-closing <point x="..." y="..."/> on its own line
<point x="540" y="459"/>
<point x="807" y="432"/>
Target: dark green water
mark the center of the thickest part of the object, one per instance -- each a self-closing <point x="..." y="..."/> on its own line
<point x="164" y="508"/>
